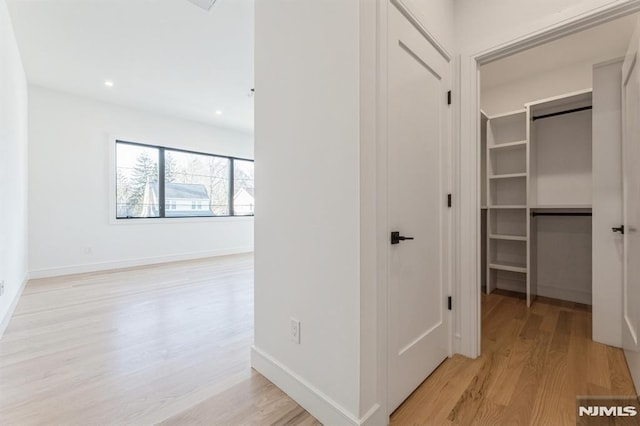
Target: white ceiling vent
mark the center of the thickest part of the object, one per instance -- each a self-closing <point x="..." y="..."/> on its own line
<point x="204" y="4"/>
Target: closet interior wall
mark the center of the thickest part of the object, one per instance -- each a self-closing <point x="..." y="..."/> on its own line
<point x="560" y="197"/>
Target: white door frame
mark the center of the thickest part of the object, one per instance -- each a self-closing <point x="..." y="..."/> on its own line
<point x="467" y="140"/>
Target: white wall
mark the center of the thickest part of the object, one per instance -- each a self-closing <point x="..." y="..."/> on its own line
<point x="317" y="259"/>
<point x="13" y="169"/>
<point x="307" y="242"/>
<point x="70" y="174"/>
<point x="513" y="95"/>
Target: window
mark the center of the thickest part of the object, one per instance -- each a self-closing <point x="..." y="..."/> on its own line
<point x="137" y="173"/>
<point x="201" y="179"/>
<point x="162" y="182"/>
<point x="243" y="194"/>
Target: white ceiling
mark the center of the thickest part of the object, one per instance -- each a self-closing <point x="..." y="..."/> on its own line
<point x="168" y="56"/>
<point x="597" y="44"/>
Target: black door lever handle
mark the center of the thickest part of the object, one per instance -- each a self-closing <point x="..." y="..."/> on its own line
<point x="619" y="229"/>
<point x="396" y="238"/>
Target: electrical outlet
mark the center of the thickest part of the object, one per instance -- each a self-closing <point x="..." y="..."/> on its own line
<point x="88" y="250"/>
<point x="295" y="331"/>
<point x="1" y="287"/>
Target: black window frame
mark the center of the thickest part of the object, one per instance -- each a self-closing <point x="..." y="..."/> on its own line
<point x="161" y="181"/>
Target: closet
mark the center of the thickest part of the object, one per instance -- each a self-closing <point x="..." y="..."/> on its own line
<point x="537" y="183"/>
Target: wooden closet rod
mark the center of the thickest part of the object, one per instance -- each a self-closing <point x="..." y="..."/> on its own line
<point x="560" y="214"/>
<point x="569" y="111"/>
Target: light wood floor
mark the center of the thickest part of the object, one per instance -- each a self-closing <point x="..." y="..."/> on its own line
<point x="534" y="363"/>
<point x="170" y="344"/>
<point x="163" y="344"/>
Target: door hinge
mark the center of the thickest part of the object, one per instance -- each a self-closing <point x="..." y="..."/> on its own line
<point x="449" y="303"/>
<point x="448" y="200"/>
<point x="449" y="97"/>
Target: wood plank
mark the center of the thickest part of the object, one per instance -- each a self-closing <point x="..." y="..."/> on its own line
<point x="519" y="409"/>
<point x="619" y="372"/>
<point x="598" y="368"/>
<point x="468" y="405"/>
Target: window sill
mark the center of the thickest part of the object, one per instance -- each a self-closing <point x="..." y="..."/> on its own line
<point x="168" y="220"/>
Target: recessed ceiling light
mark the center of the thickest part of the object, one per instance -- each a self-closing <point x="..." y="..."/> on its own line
<point x="218" y="112"/>
<point x="108" y="83"/>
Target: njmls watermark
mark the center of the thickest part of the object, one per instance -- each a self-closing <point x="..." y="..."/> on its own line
<point x="607" y="410"/>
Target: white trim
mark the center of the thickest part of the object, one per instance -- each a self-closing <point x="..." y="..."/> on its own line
<point x="516" y="144"/>
<point x="374" y="416"/>
<point x="609" y="62"/>
<point x="382" y="213"/>
<point x="128" y="263"/>
<point x="570" y="26"/>
<point x="516" y="287"/>
<point x="171" y="220"/>
<point x="317" y="403"/>
<point x="570" y="294"/>
<point x="468" y="142"/>
<point x="560" y="206"/>
<point x="633" y="363"/>
<point x="506" y="114"/>
<point x="467" y="226"/>
<point x="12" y="307"/>
<point x="560" y="97"/>
<point x="454" y="291"/>
<point x="411" y="17"/>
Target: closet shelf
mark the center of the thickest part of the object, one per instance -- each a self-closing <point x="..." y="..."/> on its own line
<point x="561" y="206"/>
<point x="508" y="176"/>
<point x="519" y="206"/>
<point x="508" y="237"/>
<point x="508" y="266"/>
<point x="508" y="115"/>
<point x="517" y="144"/>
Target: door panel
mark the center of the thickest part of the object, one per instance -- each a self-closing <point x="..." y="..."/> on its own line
<point x="418" y="80"/>
<point x="631" y="205"/>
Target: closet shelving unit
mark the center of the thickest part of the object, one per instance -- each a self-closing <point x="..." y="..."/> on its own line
<point x="484" y="118"/>
<point x="533" y="169"/>
<point x="507" y="175"/>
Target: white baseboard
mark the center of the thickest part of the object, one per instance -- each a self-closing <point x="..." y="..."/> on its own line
<point x="375" y="416"/>
<point x="128" y="263"/>
<point x="633" y="362"/>
<point x="4" y="322"/>
<point x="570" y="294"/>
<point x="510" y="285"/>
<point x="319" y="405"/>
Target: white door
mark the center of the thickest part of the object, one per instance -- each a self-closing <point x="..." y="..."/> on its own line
<point x="631" y="205"/>
<point x="418" y="170"/>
